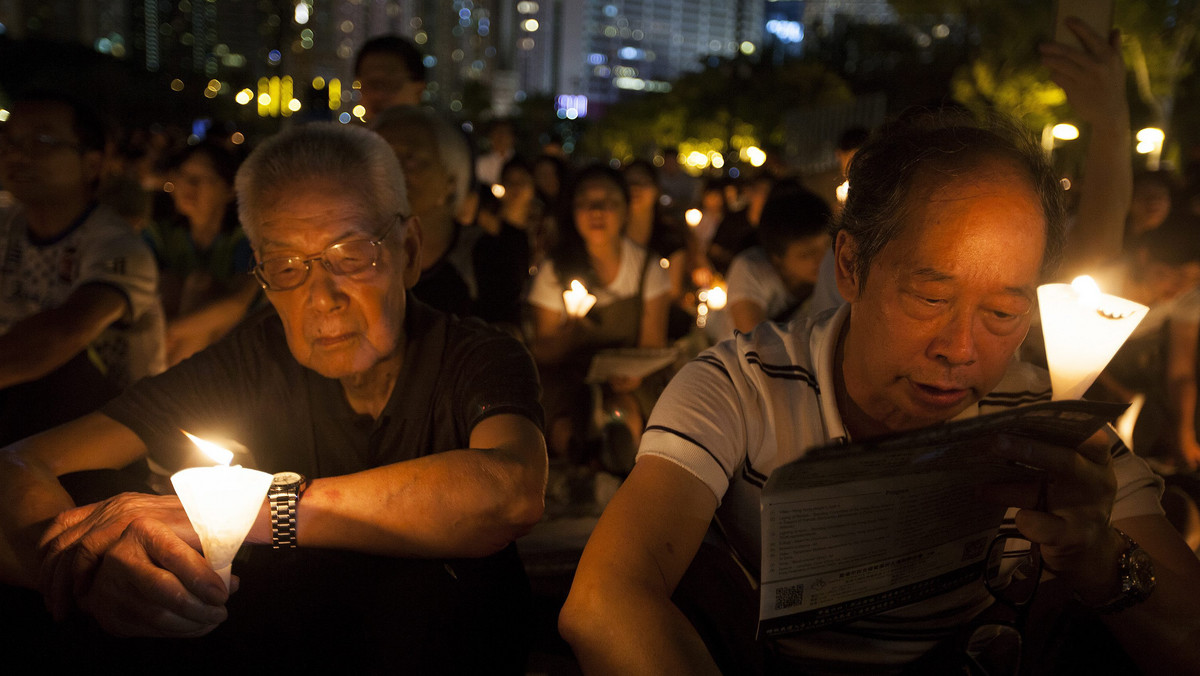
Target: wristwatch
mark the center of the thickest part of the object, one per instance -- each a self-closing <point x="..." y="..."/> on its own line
<point x="1136" y="573"/>
<point x="284" y="496"/>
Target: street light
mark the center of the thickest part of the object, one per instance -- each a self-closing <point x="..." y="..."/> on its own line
<point x="1150" y="143"/>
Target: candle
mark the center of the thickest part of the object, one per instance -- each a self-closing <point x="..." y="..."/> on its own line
<point x="578" y="300"/>
<point x="221" y="502"/>
<point x="1083" y="329"/>
<point x="843" y="191"/>
<point x="692" y="217"/>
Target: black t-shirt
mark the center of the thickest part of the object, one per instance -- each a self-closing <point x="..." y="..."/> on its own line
<point x="359" y="612"/>
<point x="249" y="389"/>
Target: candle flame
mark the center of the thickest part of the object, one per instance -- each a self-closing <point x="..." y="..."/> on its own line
<point x="577" y="286"/>
<point x="693" y="217"/>
<point x="218" y="454"/>
<point x="1088" y="290"/>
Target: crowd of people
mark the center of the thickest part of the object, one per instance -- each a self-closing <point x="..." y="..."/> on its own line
<point x="380" y="314"/>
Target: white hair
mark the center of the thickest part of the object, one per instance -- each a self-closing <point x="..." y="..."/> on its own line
<point x="352" y="156"/>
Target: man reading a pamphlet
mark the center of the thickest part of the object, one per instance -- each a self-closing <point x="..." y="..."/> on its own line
<point x="949" y="228"/>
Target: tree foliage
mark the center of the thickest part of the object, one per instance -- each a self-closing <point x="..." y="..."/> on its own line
<point x="731" y="102"/>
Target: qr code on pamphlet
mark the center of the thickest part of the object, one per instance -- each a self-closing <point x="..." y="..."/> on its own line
<point x="788" y="597"/>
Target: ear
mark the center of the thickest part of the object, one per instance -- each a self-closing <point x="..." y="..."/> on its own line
<point x="411" y="247"/>
<point x="845" y="255"/>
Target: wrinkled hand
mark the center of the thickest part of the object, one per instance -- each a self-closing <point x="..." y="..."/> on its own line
<point x="151" y="583"/>
<point x="1077" y="542"/>
<point x="76" y="542"/>
<point x="1094" y="78"/>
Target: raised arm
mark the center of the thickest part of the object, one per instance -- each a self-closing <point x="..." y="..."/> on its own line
<point x="619" y="618"/>
<point x="1094" y="81"/>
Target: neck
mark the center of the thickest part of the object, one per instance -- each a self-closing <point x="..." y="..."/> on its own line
<point x="368" y="392"/>
<point x="858" y="424"/>
<point x="50" y="220"/>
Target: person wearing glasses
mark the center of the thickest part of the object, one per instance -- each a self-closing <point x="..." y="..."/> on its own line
<point x="406" y="446"/>
<point x="78" y="306"/>
<point x="949" y="227"/>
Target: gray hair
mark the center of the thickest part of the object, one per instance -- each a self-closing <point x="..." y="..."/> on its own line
<point x="939" y="145"/>
<point x="352" y="156"/>
<point x="452" y="148"/>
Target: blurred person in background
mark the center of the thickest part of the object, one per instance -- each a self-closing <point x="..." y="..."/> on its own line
<point x="390" y="71"/>
<point x="632" y="299"/>
<point x="437" y="168"/>
<point x="204" y="258"/>
<point x="774" y="280"/>
<point x="80" y="317"/>
<point x="651" y="227"/>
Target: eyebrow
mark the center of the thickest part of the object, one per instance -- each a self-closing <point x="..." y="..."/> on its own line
<point x="933" y="275"/>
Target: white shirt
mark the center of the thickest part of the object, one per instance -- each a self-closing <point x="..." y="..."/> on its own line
<point x="548" y="287"/>
<point x="761" y="400"/>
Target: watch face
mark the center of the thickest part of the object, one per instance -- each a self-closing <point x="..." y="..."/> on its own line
<point x="286" y="479"/>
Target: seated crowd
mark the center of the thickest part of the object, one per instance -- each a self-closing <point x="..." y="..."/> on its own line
<point x="382" y="323"/>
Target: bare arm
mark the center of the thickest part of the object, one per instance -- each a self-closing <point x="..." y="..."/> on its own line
<point x="190" y="333"/>
<point x="1078" y="543"/>
<point x="465" y="502"/>
<point x="29" y="472"/>
<point x="555" y="335"/>
<point x="1094" y="81"/>
<point x="619" y="618"/>
<point x="40" y="343"/>
<point x="1162" y="634"/>
<point x="1181" y="387"/>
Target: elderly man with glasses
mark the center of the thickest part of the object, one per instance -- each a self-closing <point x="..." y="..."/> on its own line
<point x="407" y="446"/>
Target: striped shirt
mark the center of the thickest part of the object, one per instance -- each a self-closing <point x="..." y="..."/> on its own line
<point x="761" y="400"/>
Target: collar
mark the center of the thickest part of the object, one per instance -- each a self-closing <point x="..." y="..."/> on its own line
<point x="823" y="347"/>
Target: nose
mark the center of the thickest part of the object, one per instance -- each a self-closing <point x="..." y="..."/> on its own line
<point x="324" y="288"/>
<point x="954" y="343"/>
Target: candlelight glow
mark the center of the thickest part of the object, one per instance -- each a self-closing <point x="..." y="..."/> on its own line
<point x="498" y="191"/>
<point x="843" y="191"/>
<point x="693" y="216"/>
<point x="1083" y="329"/>
<point x="717" y="298"/>
<point x="218" y="454"/>
<point x="221" y="503"/>
<point x="578" y="300"/>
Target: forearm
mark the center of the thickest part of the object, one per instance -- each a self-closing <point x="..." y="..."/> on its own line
<point x="1105" y="195"/>
<point x="460" y="503"/>
<point x="634" y="633"/>
<point x="31" y="350"/>
<point x="33" y="498"/>
<point x="217" y="317"/>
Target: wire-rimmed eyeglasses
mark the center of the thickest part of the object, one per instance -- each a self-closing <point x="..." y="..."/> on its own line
<point x="344" y="258"/>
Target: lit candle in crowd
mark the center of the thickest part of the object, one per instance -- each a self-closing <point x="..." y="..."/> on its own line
<point x="577" y="299"/>
<point x="221" y="502"/>
<point x="1083" y="329"/>
<point x="693" y="217"/>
